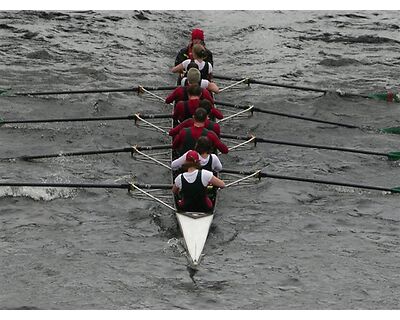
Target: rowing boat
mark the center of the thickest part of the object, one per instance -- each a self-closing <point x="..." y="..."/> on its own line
<point x="194" y="226"/>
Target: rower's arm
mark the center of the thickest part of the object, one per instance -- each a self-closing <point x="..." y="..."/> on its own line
<point x="178" y="69"/>
<point x="175" y="189"/>
<point x="178" y="163"/>
<point x="217" y="182"/>
<point x="212" y="87"/>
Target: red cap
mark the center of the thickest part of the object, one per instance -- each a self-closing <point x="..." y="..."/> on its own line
<point x="198" y="34"/>
<point x="192" y="156"/>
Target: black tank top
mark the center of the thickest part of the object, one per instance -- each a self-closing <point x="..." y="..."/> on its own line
<point x="194" y="194"/>
<point x="208" y="165"/>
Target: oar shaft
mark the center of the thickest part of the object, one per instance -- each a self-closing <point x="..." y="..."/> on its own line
<point x="305" y="145"/>
<point x="129" y="117"/>
<point x="127" y="186"/>
<point x="287" y="115"/>
<point x="272" y="84"/>
<point x="320" y="181"/>
<point x="92" y="152"/>
<point x="39" y="93"/>
<point x="66" y="185"/>
<point x="154" y="186"/>
<point x="343" y="184"/>
<point x="132" y="89"/>
<point x="78" y="153"/>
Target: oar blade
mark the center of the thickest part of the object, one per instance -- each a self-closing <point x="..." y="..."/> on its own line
<point x="5" y="91"/>
<point x="394" y="155"/>
<point x="386" y="96"/>
<point x="391" y="130"/>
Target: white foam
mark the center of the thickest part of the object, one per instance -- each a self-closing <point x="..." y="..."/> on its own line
<point x="38" y="193"/>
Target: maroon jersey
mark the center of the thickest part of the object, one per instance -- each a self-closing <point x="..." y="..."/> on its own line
<point x="210" y="125"/>
<point x="180" y="94"/>
<point x="187" y="137"/>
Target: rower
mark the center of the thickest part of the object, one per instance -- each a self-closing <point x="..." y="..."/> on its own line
<point x="210" y="125"/>
<point x="187" y="137"/>
<point x="208" y="160"/>
<point x="212" y="113"/>
<point x="180" y="93"/>
<point x="199" y="55"/>
<point x="185" y="109"/>
<point x="205" y="84"/>
<point x="193" y="185"/>
<point x="186" y="53"/>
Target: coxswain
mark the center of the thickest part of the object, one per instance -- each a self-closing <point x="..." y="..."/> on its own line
<point x="192" y="185"/>
<point x="203" y="83"/>
<point x="199" y="54"/>
<point x="186" y="139"/>
<point x="208" y="160"/>
<point x="210" y="125"/>
<point x="181" y="94"/>
<point x="186" y="53"/>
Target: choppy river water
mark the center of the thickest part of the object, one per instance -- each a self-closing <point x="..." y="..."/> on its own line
<point x="274" y="244"/>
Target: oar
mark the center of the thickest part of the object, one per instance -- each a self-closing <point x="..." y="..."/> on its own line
<point x="286" y="114"/>
<point x="394" y="155"/>
<point x="90" y="152"/>
<point x="387" y="96"/>
<point x="344" y="184"/>
<point x="127" y="186"/>
<point x="289" y="86"/>
<point x="391" y="130"/>
<point x="129" y="117"/>
<point x="41" y="93"/>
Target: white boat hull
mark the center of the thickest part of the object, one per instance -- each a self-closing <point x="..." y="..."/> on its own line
<point x="195" y="227"/>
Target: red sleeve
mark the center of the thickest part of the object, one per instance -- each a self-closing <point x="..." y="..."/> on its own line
<point x="174" y="131"/>
<point x="217" y="143"/>
<point x="177" y="143"/>
<point x="178" y="111"/>
<point x="217" y="129"/>
<point x="216" y="113"/>
<point x="171" y="97"/>
<point x="206" y="95"/>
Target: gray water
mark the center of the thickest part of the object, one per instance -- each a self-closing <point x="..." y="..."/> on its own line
<point x="274" y="244"/>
